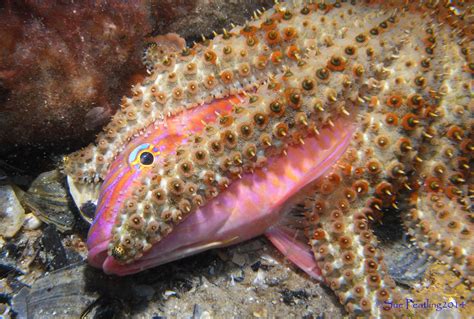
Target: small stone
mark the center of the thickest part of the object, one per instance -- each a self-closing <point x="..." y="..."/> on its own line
<point x="54" y="255"/>
<point x="205" y="315"/>
<point x="197" y="311"/>
<point x="256" y="266"/>
<point x="291" y="297"/>
<point x="12" y="214"/>
<point x="237" y="276"/>
<point x="31" y="222"/>
<point x="5" y="287"/>
<point x="144" y="291"/>
<point x="169" y="293"/>
<point x="4" y="310"/>
<point x="260" y="313"/>
<point x="223" y="255"/>
<point x="269" y="259"/>
<point x="260" y="278"/>
<point x="239" y="259"/>
<point x="212" y="270"/>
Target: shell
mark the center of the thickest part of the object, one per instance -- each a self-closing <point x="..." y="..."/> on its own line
<point x="60" y="294"/>
<point x="85" y="197"/>
<point x="48" y="198"/>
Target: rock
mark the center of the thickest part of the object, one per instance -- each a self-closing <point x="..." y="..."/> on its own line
<point x="65" y="66"/>
<point x="169" y="293"/>
<point x="144" y="291"/>
<point x="237" y="276"/>
<point x="5" y="310"/>
<point x="12" y="214"/>
<point x="58" y="62"/>
<point x="53" y="254"/>
<point x="260" y="313"/>
<point x="17" y="255"/>
<point x="197" y="312"/>
<point x="259" y="265"/>
<point x="205" y="315"/>
<point x="5" y="288"/>
<point x="239" y="259"/>
<point x="290" y="297"/>
<point x="260" y="279"/>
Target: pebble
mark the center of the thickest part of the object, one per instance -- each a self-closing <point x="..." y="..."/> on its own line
<point x="237" y="276"/>
<point x="197" y="311"/>
<point x="223" y="255"/>
<point x="260" y="278"/>
<point x="31" y="222"/>
<point x="4" y="310"/>
<point x="205" y="315"/>
<point x="12" y="214"/>
<point x="258" y="265"/>
<point x="292" y="297"/>
<point x="212" y="270"/>
<point x="269" y="259"/>
<point x="5" y="287"/>
<point x="53" y="254"/>
<point x="144" y="291"/>
<point x="169" y="293"/>
<point x="239" y="259"/>
<point x="261" y="313"/>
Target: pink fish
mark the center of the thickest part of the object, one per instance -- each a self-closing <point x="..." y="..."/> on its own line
<point x="251" y="206"/>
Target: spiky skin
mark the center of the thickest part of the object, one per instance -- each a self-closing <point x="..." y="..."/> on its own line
<point x="401" y="74"/>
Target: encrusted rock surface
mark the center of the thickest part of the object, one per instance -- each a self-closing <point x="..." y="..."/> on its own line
<point x="65" y="66"/>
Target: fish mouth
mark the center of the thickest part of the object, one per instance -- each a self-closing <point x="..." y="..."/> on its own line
<point x="245" y="210"/>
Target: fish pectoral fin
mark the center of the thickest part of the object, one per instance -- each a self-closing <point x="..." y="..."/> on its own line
<point x="287" y="242"/>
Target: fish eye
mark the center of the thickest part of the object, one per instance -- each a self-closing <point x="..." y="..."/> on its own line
<point x="146" y="158"/>
<point x="143" y="156"/>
